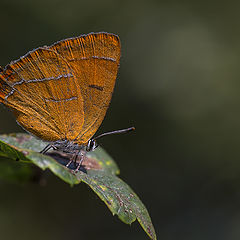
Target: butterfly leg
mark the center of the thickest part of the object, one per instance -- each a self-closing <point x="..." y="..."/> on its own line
<point x="47" y="148"/>
<point x="82" y="156"/>
<point x="76" y="157"/>
<point x="73" y="159"/>
<point x="69" y="163"/>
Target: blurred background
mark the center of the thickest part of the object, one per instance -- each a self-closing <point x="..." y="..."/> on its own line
<point x="178" y="84"/>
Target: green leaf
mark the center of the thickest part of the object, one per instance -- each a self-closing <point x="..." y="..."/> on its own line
<point x="98" y="172"/>
<point x="119" y="198"/>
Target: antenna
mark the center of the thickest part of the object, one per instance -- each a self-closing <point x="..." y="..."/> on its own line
<point x="115" y="132"/>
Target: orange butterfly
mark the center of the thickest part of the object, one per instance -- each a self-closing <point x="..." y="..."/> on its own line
<point x="60" y="93"/>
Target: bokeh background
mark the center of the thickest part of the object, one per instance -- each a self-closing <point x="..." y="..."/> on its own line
<point x="178" y="84"/>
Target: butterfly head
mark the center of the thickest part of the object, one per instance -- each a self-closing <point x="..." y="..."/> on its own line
<point x="91" y="145"/>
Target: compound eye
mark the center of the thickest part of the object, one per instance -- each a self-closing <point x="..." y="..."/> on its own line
<point x="88" y="148"/>
<point x="91" y="145"/>
<point x="94" y="145"/>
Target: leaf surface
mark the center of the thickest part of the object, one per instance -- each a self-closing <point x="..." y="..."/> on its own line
<point x="98" y="171"/>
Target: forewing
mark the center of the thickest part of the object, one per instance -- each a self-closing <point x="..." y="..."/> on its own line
<point x="41" y="90"/>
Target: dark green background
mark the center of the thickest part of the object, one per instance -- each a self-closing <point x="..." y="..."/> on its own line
<point x="178" y="84"/>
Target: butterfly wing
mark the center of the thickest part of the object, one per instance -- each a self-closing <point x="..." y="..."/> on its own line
<point x="63" y="91"/>
<point x="94" y="59"/>
<point x="41" y="90"/>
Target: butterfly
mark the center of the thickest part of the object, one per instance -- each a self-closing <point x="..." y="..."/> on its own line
<point x="60" y="93"/>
